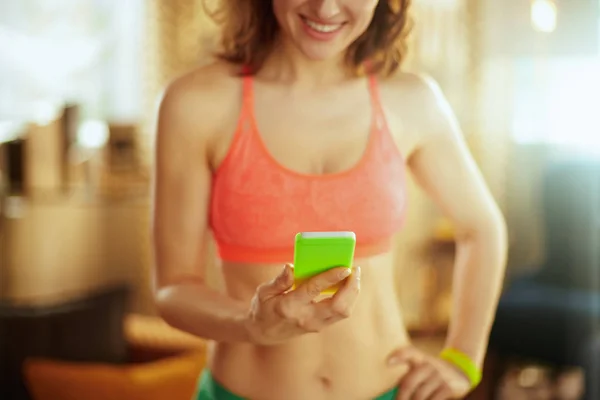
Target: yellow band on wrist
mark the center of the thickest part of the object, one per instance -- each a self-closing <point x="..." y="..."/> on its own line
<point x="464" y="363"/>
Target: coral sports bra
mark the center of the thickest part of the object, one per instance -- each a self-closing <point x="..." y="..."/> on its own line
<point x="258" y="205"/>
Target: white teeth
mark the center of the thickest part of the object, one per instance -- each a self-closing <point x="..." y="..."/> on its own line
<point x="321" y="27"/>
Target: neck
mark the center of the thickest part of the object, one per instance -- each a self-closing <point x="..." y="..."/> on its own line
<point x="287" y="64"/>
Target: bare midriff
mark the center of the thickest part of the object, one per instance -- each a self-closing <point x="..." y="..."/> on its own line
<point x="347" y="360"/>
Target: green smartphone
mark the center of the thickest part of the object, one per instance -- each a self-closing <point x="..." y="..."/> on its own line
<point x="317" y="252"/>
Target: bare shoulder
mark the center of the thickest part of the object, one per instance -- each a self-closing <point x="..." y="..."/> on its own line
<point x="195" y="105"/>
<point x="410" y="81"/>
<point x="417" y="91"/>
<point x="418" y="100"/>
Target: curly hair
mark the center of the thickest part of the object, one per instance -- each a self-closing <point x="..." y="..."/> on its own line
<point x="249" y="31"/>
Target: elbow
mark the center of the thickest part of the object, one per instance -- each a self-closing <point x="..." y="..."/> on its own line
<point x="175" y="300"/>
<point x="163" y="303"/>
<point x="499" y="230"/>
<point x="169" y="303"/>
<point x="490" y="232"/>
<point x="495" y="229"/>
<point x="161" y="295"/>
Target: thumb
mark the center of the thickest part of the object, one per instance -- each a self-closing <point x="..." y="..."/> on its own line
<point x="284" y="281"/>
<point x="280" y="284"/>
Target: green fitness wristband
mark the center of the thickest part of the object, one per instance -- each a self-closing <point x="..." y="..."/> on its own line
<point x="464" y="363"/>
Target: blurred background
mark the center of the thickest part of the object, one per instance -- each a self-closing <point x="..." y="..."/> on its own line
<point x="79" y="83"/>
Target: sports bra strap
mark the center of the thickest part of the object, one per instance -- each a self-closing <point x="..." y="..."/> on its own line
<point x="378" y="112"/>
<point x="247" y="93"/>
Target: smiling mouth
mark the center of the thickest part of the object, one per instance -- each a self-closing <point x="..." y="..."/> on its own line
<point x="320" y="27"/>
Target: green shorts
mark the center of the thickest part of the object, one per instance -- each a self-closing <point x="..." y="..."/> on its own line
<point x="209" y="389"/>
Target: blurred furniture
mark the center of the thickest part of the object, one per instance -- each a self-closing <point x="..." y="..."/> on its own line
<point x="552" y="315"/>
<point x="91" y="348"/>
<point x="61" y="234"/>
<point x="121" y="151"/>
<point x="170" y="378"/>
<point x="150" y="338"/>
<point x="85" y="329"/>
<point x="12" y="164"/>
<point x="436" y="294"/>
<point x="426" y="297"/>
<point x="56" y="246"/>
<point x="162" y="363"/>
<point x="36" y="158"/>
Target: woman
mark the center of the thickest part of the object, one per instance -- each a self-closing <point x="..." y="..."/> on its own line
<point x="332" y="155"/>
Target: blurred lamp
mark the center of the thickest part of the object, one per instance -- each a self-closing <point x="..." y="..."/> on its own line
<point x="543" y="15"/>
<point x="548" y="28"/>
<point x="92" y="134"/>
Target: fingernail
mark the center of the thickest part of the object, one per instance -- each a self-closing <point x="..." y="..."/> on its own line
<point x="358" y="272"/>
<point x="344" y="273"/>
<point x="393" y="360"/>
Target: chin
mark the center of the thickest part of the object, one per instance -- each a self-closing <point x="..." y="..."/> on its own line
<point x="321" y="53"/>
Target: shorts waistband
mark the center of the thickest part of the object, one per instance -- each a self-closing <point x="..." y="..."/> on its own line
<point x="209" y="389"/>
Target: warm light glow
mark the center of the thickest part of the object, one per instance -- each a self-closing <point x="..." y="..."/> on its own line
<point x="44" y="112"/>
<point x="92" y="134"/>
<point x="558" y="111"/>
<point x="543" y="15"/>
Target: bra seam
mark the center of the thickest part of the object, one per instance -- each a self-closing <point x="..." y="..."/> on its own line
<point x="242" y="118"/>
<point x="384" y="129"/>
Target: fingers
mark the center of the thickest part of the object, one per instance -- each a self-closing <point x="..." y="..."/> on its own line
<point x="406" y="355"/>
<point x="427" y="388"/>
<point x="442" y="393"/>
<point x="280" y="284"/>
<point x="413" y="380"/>
<point x="313" y="287"/>
<point x="341" y="304"/>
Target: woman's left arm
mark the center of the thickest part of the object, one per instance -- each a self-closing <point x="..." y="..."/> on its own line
<point x="445" y="169"/>
<point x="443" y="166"/>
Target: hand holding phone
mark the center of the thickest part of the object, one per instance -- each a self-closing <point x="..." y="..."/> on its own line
<point x="278" y="313"/>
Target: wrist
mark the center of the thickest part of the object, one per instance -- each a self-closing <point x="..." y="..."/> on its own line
<point x="251" y="331"/>
<point x="463" y="363"/>
<point x="473" y="349"/>
<point x="242" y="326"/>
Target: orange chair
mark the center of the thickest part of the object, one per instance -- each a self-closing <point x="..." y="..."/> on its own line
<point x="164" y="363"/>
<point x="171" y="378"/>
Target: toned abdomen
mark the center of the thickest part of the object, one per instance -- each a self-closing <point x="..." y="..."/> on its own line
<point x="344" y="361"/>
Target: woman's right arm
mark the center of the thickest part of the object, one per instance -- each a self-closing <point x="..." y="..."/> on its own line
<point x="180" y="205"/>
<point x="187" y="119"/>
